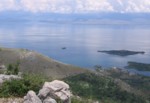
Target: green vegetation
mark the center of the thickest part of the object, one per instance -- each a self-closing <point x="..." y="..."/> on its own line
<point x="140" y="83"/>
<point x="13" y="69"/>
<point x="98" y="68"/>
<point x="94" y="87"/>
<point x="19" y="87"/>
<point x="138" y="66"/>
<point x="122" y="52"/>
<point x="85" y="100"/>
<point x="88" y="86"/>
<point x="2" y="71"/>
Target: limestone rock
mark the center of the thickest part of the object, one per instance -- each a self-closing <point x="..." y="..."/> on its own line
<point x="2" y="67"/>
<point x="51" y="91"/>
<point x="4" y="77"/>
<point x="49" y="100"/>
<point x="57" y="90"/>
<point x="31" y="97"/>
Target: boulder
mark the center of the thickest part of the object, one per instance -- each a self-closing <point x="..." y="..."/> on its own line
<point x="50" y="92"/>
<point x="57" y="90"/>
<point x="31" y="97"/>
<point x="4" y="77"/>
<point x="2" y="67"/>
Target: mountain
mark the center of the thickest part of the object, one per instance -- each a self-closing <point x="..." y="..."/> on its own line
<point x="101" y="18"/>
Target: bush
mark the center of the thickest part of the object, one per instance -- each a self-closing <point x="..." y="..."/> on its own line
<point x="94" y="87"/>
<point x="13" y="69"/>
<point x="19" y="88"/>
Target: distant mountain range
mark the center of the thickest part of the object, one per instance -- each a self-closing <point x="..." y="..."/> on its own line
<point x="101" y="18"/>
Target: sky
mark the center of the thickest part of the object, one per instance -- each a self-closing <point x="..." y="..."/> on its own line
<point x="76" y="6"/>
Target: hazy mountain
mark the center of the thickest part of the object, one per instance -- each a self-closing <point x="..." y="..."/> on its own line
<point x="101" y="18"/>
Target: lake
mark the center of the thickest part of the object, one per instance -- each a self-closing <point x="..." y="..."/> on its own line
<point x="77" y="44"/>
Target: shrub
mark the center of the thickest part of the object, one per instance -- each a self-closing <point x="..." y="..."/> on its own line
<point x="94" y="87"/>
<point x="13" y="69"/>
<point x="20" y="87"/>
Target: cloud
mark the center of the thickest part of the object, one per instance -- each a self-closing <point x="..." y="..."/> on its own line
<point x="66" y="6"/>
<point x="76" y="6"/>
<point x="130" y="5"/>
<point x="8" y="5"/>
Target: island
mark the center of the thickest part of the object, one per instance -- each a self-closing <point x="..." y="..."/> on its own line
<point x="63" y="48"/>
<point x="121" y="52"/>
<point x="138" y="66"/>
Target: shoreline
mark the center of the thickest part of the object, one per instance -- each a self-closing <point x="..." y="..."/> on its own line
<point x="25" y="53"/>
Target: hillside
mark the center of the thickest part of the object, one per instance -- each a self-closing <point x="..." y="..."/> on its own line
<point x="33" y="62"/>
<point x="90" y="87"/>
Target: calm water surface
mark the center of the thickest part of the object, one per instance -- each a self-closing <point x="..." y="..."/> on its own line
<point x="81" y="42"/>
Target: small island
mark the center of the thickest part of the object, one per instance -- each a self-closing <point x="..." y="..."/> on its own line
<point x="121" y="52"/>
<point x="138" y="66"/>
<point x="63" y="48"/>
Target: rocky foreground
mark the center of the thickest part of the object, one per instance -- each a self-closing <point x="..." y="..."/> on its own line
<point x="50" y="92"/>
<point x="103" y="86"/>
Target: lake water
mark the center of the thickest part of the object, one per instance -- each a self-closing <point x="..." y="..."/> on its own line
<point x="81" y="42"/>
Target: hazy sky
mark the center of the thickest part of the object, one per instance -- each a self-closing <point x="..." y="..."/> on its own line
<point x="76" y="6"/>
